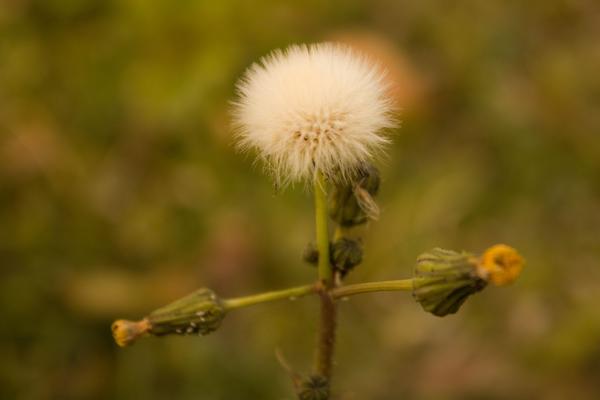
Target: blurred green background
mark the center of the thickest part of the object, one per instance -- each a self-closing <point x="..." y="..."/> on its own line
<point x="120" y="190"/>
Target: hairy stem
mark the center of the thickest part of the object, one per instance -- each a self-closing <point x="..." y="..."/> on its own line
<point x="290" y="293"/>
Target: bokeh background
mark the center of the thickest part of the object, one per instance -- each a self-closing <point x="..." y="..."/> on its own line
<point x="120" y="190"/>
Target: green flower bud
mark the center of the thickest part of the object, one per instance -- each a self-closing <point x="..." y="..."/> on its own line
<point x="345" y="255"/>
<point x="200" y="312"/>
<point x="352" y="203"/>
<point x="444" y="279"/>
<point x="315" y="387"/>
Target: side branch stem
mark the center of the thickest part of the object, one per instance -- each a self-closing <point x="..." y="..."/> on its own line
<point x="289" y="294"/>
<point x="306" y="290"/>
<point x="381" y="286"/>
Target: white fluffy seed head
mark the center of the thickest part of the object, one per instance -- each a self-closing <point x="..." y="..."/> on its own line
<point x="320" y="107"/>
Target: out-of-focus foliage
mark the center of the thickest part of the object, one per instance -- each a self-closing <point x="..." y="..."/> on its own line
<point x="120" y="191"/>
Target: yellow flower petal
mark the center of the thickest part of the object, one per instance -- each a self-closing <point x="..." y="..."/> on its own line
<point x="126" y="332"/>
<point x="500" y="265"/>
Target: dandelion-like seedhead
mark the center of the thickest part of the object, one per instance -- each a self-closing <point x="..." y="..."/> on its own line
<point x="314" y="112"/>
<point x="309" y="108"/>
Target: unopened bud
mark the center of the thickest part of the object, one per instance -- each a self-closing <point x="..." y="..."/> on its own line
<point x="311" y="254"/>
<point x="352" y="203"/>
<point x="200" y="312"/>
<point x="315" y="387"/>
<point x="444" y="279"/>
<point x="345" y="255"/>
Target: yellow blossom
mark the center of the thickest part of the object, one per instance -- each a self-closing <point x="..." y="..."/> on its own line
<point x="500" y="265"/>
<point x="126" y="332"/>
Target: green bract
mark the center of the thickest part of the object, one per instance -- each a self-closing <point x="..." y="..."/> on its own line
<point x="444" y="279"/>
<point x="200" y="313"/>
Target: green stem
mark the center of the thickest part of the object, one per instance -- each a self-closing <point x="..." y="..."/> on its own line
<point x="382" y="286"/>
<point x="327" y="325"/>
<point x="339" y="233"/>
<point x="322" y="233"/>
<point x="306" y="290"/>
<point x="290" y="293"/>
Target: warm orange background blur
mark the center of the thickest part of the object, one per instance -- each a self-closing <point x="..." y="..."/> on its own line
<point x="120" y="190"/>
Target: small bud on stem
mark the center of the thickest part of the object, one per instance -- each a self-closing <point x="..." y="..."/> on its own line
<point x="315" y="387"/>
<point x="200" y="313"/>
<point x="444" y="279"/>
<point x="345" y="255"/>
<point x="310" y="254"/>
<point x="352" y="203"/>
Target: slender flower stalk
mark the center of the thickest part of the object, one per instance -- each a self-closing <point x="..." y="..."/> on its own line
<point x="368" y="287"/>
<point x="290" y="294"/>
<point x="322" y="231"/>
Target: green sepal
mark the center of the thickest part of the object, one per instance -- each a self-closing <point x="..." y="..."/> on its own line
<point x="200" y="312"/>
